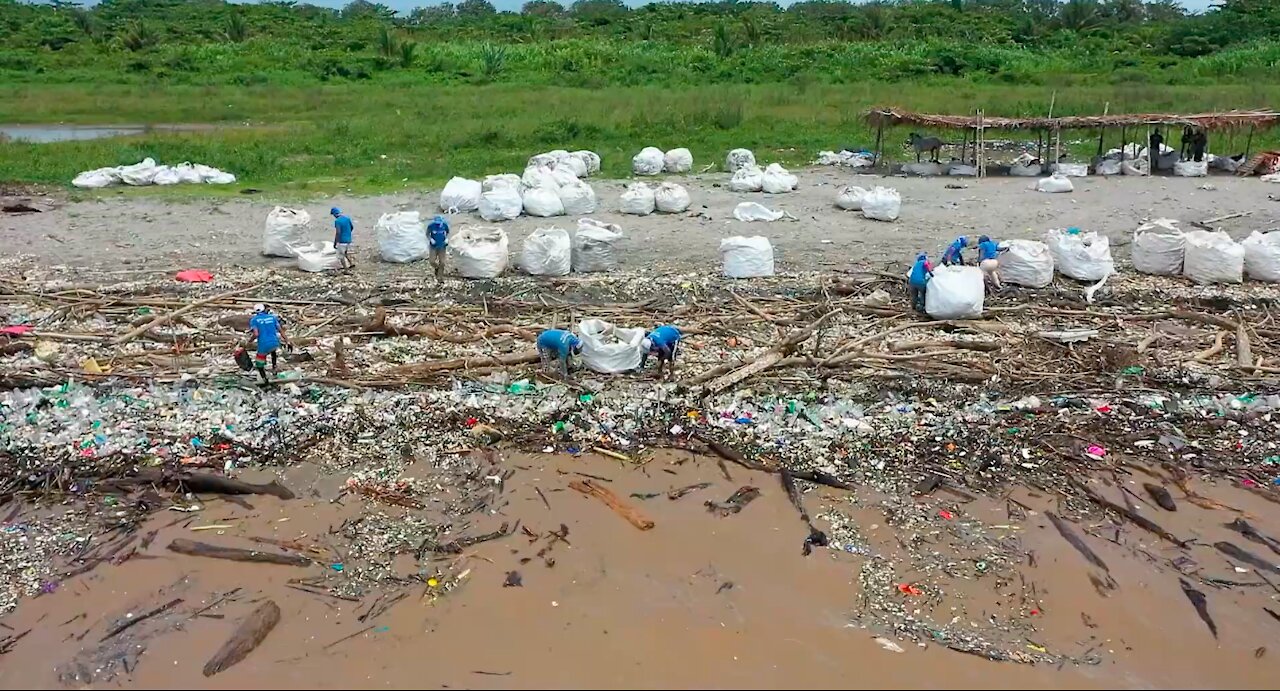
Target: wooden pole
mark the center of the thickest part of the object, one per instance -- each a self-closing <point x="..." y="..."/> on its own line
<point x="981" y="155"/>
<point x="964" y="143"/>
<point x="1103" y="131"/>
<point x="879" y="138"/>
<point x="1040" y="146"/>
<point x="1057" y="144"/>
<point x="1248" y="144"/>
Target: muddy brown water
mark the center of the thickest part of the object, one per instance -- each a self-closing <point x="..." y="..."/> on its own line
<point x="698" y="601"/>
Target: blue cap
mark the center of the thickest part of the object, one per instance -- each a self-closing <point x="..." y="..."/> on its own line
<point x="335" y="211"/>
<point x="439" y="219"/>
<point x="984" y="239"/>
<point x="922" y="255"/>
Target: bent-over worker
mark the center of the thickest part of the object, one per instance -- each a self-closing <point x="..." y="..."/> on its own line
<point x="558" y="344"/>
<point x="954" y="254"/>
<point x="343" y="229"/>
<point x="266" y="329"/>
<point x="989" y="262"/>
<point x="918" y="281"/>
<point x="438" y="232"/>
<point x="661" y="342"/>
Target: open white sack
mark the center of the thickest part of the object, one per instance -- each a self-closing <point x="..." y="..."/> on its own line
<point x="546" y="252"/>
<point x="318" y="257"/>
<point x="402" y="237"/>
<point x="594" y="246"/>
<point x="882" y="204"/>
<point x="285" y="231"/>
<point x="1213" y="257"/>
<point x="460" y="195"/>
<point x="1158" y="248"/>
<point x="502" y="203"/>
<point x="1027" y="263"/>
<point x="850" y="197"/>
<point x="671" y="198"/>
<point x="746" y="257"/>
<point x="638" y="200"/>
<point x="955" y="292"/>
<point x="479" y="252"/>
<point x="1262" y="256"/>
<point x="1084" y="256"/>
<point x="610" y="349"/>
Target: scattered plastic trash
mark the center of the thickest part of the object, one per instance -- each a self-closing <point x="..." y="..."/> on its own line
<point x="908" y="589"/>
<point x="1095" y="452"/>
<point x="194" y="276"/>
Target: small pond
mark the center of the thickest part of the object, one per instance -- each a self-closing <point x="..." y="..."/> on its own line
<point x="43" y="134"/>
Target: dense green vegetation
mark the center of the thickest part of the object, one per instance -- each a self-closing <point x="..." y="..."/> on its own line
<point x="363" y="99"/>
<point x="594" y="43"/>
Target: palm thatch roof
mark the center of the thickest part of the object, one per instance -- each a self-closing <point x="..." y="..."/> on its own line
<point x="1261" y="119"/>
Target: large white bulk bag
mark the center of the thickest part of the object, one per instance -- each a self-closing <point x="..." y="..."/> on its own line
<point x="573" y="164"/>
<point x="648" y="162"/>
<point x="188" y="174"/>
<point x="593" y="246"/>
<point x="778" y="180"/>
<point x="744" y="257"/>
<point x="1191" y="169"/>
<point x="882" y="204"/>
<point x="97" y="178"/>
<point x="1026" y="170"/>
<point x="638" y="200"/>
<point x="402" y="237"/>
<point x="955" y="292"/>
<point x="1084" y="256"/>
<point x="212" y="176"/>
<point x="608" y="348"/>
<point x="285" y="231"/>
<point x="479" y="252"/>
<point x="140" y="173"/>
<point x="543" y="202"/>
<point x="850" y="197"/>
<point x="677" y="161"/>
<point x="318" y="257"/>
<point x="493" y="182"/>
<point x="1262" y="256"/>
<point x="1027" y="263"/>
<point x="578" y="198"/>
<point x="747" y="179"/>
<point x="1137" y="166"/>
<point x="1158" y="248"/>
<point x="460" y="195"/>
<point x="922" y="169"/>
<point x="1109" y="166"/>
<point x="546" y="252"/>
<point x="563" y="175"/>
<point x="1056" y="183"/>
<point x="739" y="159"/>
<point x="1071" y="170"/>
<point x="1213" y="257"/>
<point x="166" y="175"/>
<point x="591" y="159"/>
<point x="671" y="198"/>
<point x="502" y="203"/>
<point x="547" y="160"/>
<point x="538" y="176"/>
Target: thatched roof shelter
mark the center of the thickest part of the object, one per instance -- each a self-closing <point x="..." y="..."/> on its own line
<point x="1260" y="119"/>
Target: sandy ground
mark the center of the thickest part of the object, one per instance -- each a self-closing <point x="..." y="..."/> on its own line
<point x="158" y="233"/>
<point x="700" y="601"/>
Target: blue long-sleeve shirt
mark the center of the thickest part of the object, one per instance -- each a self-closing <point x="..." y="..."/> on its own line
<point x="988" y="250"/>
<point x="921" y="271"/>
<point x="954" y="253"/>
<point x="663" y="340"/>
<point x="438" y="231"/>
<point x="559" y="342"/>
<point x="266" y="327"/>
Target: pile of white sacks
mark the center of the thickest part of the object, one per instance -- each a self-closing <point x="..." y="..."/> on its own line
<point x="1161" y="247"/>
<point x="551" y="185"/>
<point x="749" y="177"/>
<point x="147" y="172"/>
<point x="651" y="160"/>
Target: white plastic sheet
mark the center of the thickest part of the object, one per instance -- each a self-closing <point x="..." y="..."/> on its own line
<point x="610" y="349"/>
<point x="955" y="292"/>
<point x="671" y="198"/>
<point x="546" y="252"/>
<point x="594" y="246"/>
<point x="1056" y="183"/>
<point x="638" y="200"/>
<point x="285" y="232"/>
<point x="460" y="195"/>
<point x="677" y="161"/>
<point x="1027" y="263"/>
<point x="479" y="252"/>
<point x="739" y="159"/>
<point x="318" y="257"/>
<point x="543" y="202"/>
<point x="1262" y="256"/>
<point x="1213" y="257"/>
<point x="882" y="204"/>
<point x="1085" y="256"/>
<point x="850" y="197"/>
<point x="1158" y="248"/>
<point x="746" y="257"/>
<point x="648" y="162"/>
<point x="747" y="179"/>
<point x="778" y="180"/>
<point x="578" y="198"/>
<point x="754" y="211"/>
<point x="502" y="203"/>
<point x="402" y="237"/>
<point x="1191" y="169"/>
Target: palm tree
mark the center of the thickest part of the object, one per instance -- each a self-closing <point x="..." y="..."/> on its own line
<point x="722" y="41"/>
<point x="237" y="28"/>
<point x="1080" y="16"/>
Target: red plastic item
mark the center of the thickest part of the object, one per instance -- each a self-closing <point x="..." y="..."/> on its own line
<point x="194" y="276"/>
<point x="17" y="329"/>
<point x="908" y="589"/>
<point x="472" y="422"/>
<point x="946" y="514"/>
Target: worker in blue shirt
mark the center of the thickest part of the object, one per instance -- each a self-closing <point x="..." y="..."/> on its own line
<point x="661" y="342"/>
<point x="343" y="229"/>
<point x="954" y="254"/>
<point x="268" y="331"/>
<point x="558" y="344"/>
<point x="438" y="233"/>
<point x="988" y="261"/>
<point x="918" y="281"/>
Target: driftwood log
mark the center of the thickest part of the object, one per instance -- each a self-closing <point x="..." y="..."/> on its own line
<point x="247" y="636"/>
<point x="633" y="516"/>
<point x="204" y="549"/>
